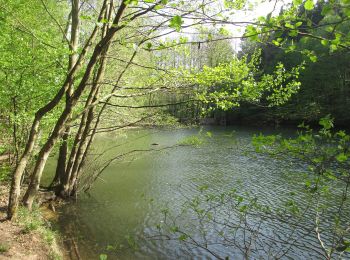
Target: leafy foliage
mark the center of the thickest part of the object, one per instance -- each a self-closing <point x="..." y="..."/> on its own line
<point x="229" y="84"/>
<point x="326" y="152"/>
<point x="326" y="156"/>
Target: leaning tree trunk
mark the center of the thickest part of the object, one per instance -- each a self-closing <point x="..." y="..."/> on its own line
<point x="69" y="179"/>
<point x="73" y="177"/>
<point x="19" y="170"/>
<point x="74" y="44"/>
<point x="97" y="122"/>
<point x="56" y="133"/>
<point x="63" y="188"/>
<point x="61" y="123"/>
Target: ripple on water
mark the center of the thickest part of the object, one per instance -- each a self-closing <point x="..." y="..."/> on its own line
<point x="128" y="198"/>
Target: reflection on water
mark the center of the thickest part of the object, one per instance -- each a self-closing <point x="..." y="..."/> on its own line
<point x="127" y="199"/>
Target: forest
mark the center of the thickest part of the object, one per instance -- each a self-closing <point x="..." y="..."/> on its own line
<point x="171" y="129"/>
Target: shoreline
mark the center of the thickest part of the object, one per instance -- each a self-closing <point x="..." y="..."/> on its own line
<point x="30" y="236"/>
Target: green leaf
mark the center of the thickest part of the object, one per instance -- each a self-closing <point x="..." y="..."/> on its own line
<point x="288" y="25"/>
<point x="224" y="31"/>
<point x="291" y="48"/>
<point x="313" y="58"/>
<point x="327" y="9"/>
<point x="298" y="24"/>
<point x="326" y="122"/>
<point x="333" y="47"/>
<point x="276" y="43"/>
<point x="347" y="11"/>
<point x="251" y="32"/>
<point x="176" y="23"/>
<point x="158" y="7"/>
<point x="132" y="2"/>
<point x="103" y="257"/>
<point x="148" y="45"/>
<point x="85" y="17"/>
<point x="341" y="157"/>
<point x="183" y="237"/>
<point x="309" y="5"/>
<point x="293" y="33"/>
<point x="324" y="42"/>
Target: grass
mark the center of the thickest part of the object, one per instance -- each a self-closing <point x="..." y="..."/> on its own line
<point x="4" y="248"/>
<point x="33" y="221"/>
<point x="30" y="221"/>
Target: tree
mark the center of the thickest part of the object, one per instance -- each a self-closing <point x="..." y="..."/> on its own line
<point x="89" y="86"/>
<point x="89" y="67"/>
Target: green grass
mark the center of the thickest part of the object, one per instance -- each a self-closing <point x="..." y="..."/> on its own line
<point x="30" y="221"/>
<point x="33" y="221"/>
<point x="4" y="248"/>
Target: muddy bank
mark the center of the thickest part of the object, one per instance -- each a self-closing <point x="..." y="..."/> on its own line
<point x="30" y="237"/>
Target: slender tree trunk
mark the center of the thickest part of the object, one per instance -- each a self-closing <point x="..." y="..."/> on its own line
<point x="15" y="134"/>
<point x="74" y="44"/>
<point x="17" y="175"/>
<point x="61" y="123"/>
<point x="79" y="148"/>
<point x="83" y="143"/>
<point x="61" y="162"/>
<point x="65" y="179"/>
<point x="98" y="119"/>
<point x="73" y="177"/>
<point x="19" y="170"/>
<point x="79" y="154"/>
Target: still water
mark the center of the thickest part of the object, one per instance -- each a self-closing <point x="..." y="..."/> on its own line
<point x="118" y="216"/>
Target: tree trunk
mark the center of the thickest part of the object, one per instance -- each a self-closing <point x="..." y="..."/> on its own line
<point x="79" y="149"/>
<point x="61" y="161"/>
<point x="59" y="127"/>
<point x="15" y="190"/>
<point x="75" y="172"/>
<point x="15" y="135"/>
<point x="19" y="170"/>
<point x="74" y="44"/>
<point x="61" y="123"/>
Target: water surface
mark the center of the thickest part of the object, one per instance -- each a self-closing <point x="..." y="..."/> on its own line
<point x="126" y="201"/>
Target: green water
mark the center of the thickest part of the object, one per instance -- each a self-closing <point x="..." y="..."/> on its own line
<point x="127" y="200"/>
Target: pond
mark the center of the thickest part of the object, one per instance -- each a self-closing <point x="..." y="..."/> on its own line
<point x="119" y="214"/>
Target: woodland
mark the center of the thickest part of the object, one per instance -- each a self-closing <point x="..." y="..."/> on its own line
<point x="74" y="70"/>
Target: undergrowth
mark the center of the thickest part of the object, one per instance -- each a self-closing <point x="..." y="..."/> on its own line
<point x="32" y="221"/>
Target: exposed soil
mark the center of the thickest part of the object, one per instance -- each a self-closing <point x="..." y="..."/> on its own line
<point x="4" y="157"/>
<point x="15" y="243"/>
